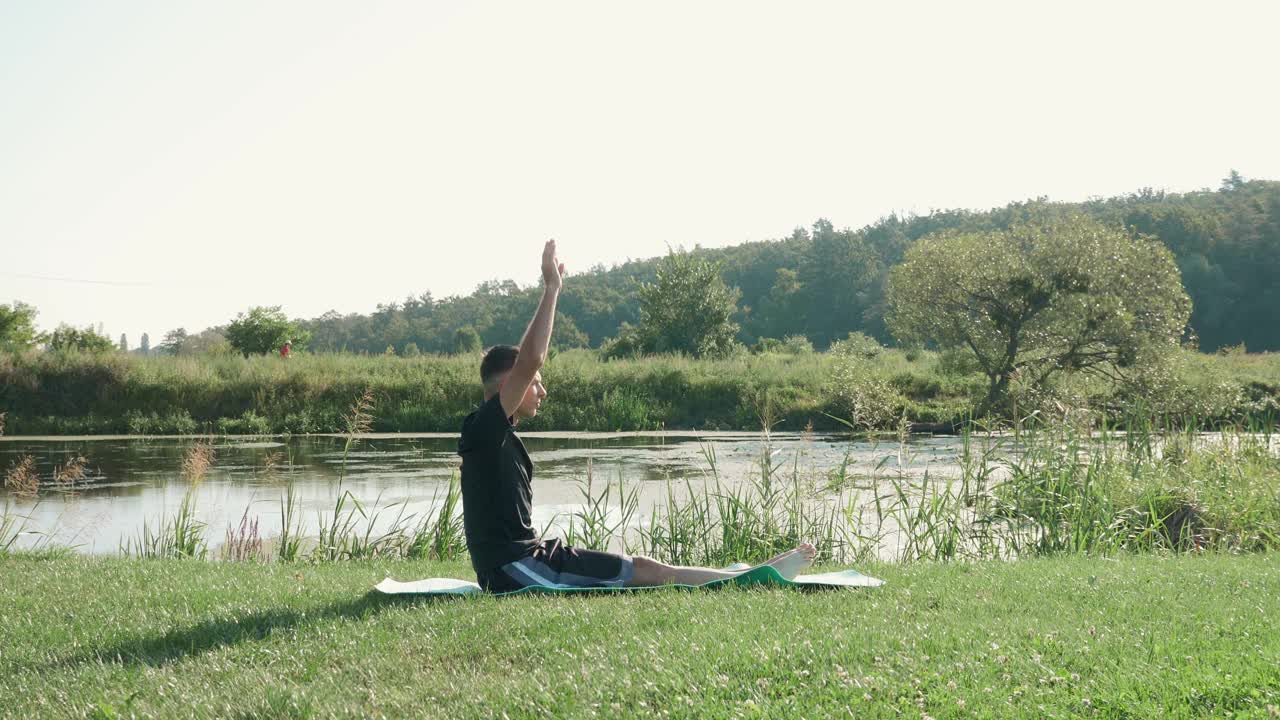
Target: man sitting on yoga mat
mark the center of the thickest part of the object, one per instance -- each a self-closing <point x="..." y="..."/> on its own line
<point x="497" y="474"/>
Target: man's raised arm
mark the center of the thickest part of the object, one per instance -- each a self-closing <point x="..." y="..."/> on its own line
<point x="537" y="338"/>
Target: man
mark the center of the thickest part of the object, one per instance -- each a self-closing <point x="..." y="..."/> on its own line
<point x="497" y="475"/>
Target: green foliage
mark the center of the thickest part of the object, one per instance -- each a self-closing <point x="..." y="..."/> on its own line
<point x="175" y="342"/>
<point x="627" y="344"/>
<point x="263" y="330"/>
<point x="80" y="393"/>
<point x="66" y="337"/>
<point x="825" y="283"/>
<point x="688" y="309"/>
<point x="859" y="345"/>
<point x="18" y="326"/>
<point x="840" y="280"/>
<point x="766" y="345"/>
<point x="796" y="345"/>
<point x="466" y="341"/>
<point x="1049" y="295"/>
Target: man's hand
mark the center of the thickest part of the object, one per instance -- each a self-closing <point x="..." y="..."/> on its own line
<point x="552" y="268"/>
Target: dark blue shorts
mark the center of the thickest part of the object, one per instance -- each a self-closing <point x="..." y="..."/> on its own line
<point x="554" y="564"/>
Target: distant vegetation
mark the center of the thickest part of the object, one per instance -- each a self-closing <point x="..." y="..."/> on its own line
<point x="857" y="382"/>
<point x="823" y="283"/>
<point x="1084" y="310"/>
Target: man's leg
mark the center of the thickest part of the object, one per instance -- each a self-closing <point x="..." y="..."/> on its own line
<point x="649" y="572"/>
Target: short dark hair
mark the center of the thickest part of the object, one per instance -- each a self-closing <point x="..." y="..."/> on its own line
<point x="497" y="360"/>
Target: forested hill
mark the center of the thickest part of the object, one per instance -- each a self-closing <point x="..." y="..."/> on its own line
<point x="825" y="283"/>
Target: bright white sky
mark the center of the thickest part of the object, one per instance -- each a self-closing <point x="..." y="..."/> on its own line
<point x="193" y="159"/>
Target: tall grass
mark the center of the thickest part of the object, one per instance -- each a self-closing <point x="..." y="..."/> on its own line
<point x="350" y="532"/>
<point x="21" y="478"/>
<point x="439" y="536"/>
<point x="1049" y="493"/>
<point x="183" y="535"/>
<point x="596" y="525"/>
<point x="290" y="543"/>
<point x="11" y="526"/>
<point x="243" y="543"/>
<point x="1044" y="490"/>
<point x="74" y="393"/>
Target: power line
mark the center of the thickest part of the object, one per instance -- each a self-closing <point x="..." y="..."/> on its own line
<point x="127" y="283"/>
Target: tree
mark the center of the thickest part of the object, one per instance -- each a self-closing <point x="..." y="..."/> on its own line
<point x="838" y="282"/>
<point x="688" y="308"/>
<point x="66" y="337"/>
<point x="144" y="345"/>
<point x="18" y="326"/>
<point x="1039" y="298"/>
<point x="175" y="342"/>
<point x="262" y="330"/>
<point x="466" y="340"/>
<point x="124" y="343"/>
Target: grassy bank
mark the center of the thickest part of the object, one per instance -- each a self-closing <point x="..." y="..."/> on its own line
<point x="69" y="393"/>
<point x="1071" y="637"/>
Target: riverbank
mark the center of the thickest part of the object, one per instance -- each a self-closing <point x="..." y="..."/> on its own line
<point x="113" y="393"/>
<point x="1146" y="636"/>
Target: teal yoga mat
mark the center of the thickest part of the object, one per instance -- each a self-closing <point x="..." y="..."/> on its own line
<point x="759" y="576"/>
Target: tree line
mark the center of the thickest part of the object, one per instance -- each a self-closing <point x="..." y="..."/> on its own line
<point x="823" y="283"/>
<point x="817" y="285"/>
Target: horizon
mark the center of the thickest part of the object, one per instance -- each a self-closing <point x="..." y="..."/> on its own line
<point x="172" y="166"/>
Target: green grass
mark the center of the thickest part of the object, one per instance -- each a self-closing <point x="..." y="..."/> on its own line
<point x="74" y="393"/>
<point x="1139" y="637"/>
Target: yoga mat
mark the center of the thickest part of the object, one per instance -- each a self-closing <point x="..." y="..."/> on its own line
<point x="759" y="576"/>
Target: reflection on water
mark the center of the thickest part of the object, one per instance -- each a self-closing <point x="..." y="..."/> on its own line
<point x="132" y="480"/>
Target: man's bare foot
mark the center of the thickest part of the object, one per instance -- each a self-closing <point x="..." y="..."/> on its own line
<point x="790" y="563"/>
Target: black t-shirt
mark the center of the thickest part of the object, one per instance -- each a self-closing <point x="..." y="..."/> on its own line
<point x="497" y="491"/>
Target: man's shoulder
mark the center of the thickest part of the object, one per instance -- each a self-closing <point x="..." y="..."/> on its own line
<point x="485" y="422"/>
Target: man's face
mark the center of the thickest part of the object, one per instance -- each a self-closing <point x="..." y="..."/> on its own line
<point x="532" y="398"/>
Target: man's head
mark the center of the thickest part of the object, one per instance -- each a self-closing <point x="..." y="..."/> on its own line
<point x="495" y="366"/>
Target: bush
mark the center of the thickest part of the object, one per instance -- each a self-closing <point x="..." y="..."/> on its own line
<point x="796" y="345"/>
<point x="766" y="345"/>
<point x="858" y="345"/>
<point x="626" y="344"/>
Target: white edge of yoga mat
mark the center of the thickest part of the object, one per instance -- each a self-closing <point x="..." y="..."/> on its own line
<point x="453" y="586"/>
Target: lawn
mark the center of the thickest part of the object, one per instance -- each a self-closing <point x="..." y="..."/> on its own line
<point x="1137" y="636"/>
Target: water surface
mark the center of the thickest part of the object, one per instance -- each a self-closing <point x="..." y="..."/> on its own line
<point x="132" y="480"/>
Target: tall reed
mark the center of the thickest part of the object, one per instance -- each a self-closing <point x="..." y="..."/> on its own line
<point x="11" y="527"/>
<point x="243" y="543"/>
<point x="596" y="525"/>
<point x="290" y="543"/>
<point x="440" y="535"/>
<point x="183" y="535"/>
<point x="22" y="478"/>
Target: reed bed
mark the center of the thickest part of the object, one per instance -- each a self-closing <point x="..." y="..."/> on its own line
<point x="1038" y="492"/>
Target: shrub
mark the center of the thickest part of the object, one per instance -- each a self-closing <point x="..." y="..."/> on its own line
<point x="796" y="345"/>
<point x="858" y="345"/>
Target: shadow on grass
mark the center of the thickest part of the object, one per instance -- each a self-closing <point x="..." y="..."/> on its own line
<point x="210" y="635"/>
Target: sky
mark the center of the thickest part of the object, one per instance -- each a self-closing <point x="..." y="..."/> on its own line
<point x="170" y="164"/>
